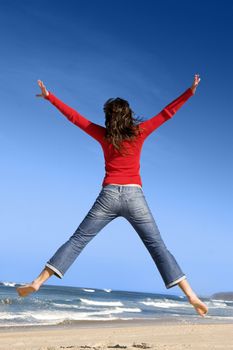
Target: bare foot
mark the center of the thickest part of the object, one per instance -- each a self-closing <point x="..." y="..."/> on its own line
<point x="23" y="291"/>
<point x="200" y="307"/>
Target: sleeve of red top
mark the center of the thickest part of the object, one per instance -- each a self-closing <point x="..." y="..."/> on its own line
<point x="94" y="130"/>
<point x="153" y="123"/>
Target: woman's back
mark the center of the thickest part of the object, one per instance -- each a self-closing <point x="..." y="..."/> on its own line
<point x="121" y="169"/>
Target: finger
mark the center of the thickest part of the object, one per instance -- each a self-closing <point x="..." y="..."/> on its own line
<point x="41" y="84"/>
<point x="39" y="95"/>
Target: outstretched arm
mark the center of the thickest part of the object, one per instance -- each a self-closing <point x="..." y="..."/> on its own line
<point x="94" y="130"/>
<point x="153" y="123"/>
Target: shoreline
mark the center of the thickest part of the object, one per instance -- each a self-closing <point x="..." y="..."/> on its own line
<point x="120" y="323"/>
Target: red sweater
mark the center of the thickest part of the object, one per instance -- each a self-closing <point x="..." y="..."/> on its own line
<point x="121" y="169"/>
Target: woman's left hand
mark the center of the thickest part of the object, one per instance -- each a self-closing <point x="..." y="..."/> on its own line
<point x="196" y="81"/>
<point x="44" y="91"/>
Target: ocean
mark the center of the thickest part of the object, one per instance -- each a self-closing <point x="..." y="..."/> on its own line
<point x="57" y="305"/>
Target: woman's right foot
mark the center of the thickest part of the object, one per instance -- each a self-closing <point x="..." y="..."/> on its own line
<point x="27" y="289"/>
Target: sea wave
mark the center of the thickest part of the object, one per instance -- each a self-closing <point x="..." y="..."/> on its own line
<point x="165" y="303"/>
<point x="13" y="316"/>
<point x="89" y="290"/>
<point x="9" y="284"/>
<point x="69" y="322"/>
<point x="73" y="306"/>
<point x="56" y="305"/>
<point x="214" y="317"/>
<point x="217" y="304"/>
<point x="55" y="316"/>
<point x="102" y="303"/>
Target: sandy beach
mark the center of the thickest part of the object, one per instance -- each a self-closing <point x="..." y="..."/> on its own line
<point x="126" y="335"/>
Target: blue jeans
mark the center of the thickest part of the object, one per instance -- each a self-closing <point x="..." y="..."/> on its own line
<point x="114" y="201"/>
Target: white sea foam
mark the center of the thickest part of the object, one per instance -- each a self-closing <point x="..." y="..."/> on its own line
<point x="221" y="300"/>
<point x="5" y="325"/>
<point x="89" y="290"/>
<point x="217" y="304"/>
<point x="9" y="316"/>
<point x="220" y="317"/>
<point x="73" y="306"/>
<point x="117" y="310"/>
<point x="108" y="290"/>
<point x="165" y="304"/>
<point x="60" y="316"/>
<point x="9" y="284"/>
<point x="57" y="316"/>
<point x="102" y="303"/>
<point x="68" y="306"/>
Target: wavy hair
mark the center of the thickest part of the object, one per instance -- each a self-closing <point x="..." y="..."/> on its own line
<point x="120" y="122"/>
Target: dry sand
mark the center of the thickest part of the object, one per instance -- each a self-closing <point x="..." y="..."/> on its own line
<point x="143" y="335"/>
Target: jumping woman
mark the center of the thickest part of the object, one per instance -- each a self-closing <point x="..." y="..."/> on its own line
<point x="121" y="193"/>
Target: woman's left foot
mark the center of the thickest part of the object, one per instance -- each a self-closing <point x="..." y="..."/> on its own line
<point x="23" y="291"/>
<point x="200" y="307"/>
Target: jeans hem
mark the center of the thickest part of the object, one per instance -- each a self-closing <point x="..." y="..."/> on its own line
<point x="172" y="284"/>
<point x="56" y="271"/>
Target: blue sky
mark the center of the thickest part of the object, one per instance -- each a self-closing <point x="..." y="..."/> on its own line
<point x="51" y="172"/>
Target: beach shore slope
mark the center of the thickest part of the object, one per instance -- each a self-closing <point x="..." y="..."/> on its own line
<point x="118" y="336"/>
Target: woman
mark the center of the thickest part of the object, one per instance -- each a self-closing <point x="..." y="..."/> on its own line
<point x="121" y="193"/>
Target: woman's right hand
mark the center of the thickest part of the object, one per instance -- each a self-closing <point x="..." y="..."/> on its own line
<point x="196" y="81"/>
<point x="44" y="91"/>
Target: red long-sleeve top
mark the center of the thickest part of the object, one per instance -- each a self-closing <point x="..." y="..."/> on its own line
<point x="121" y="169"/>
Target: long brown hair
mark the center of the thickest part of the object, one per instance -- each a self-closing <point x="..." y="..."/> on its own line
<point x="120" y="122"/>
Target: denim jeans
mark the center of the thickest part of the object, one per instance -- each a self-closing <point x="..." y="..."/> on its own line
<point x="114" y="201"/>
